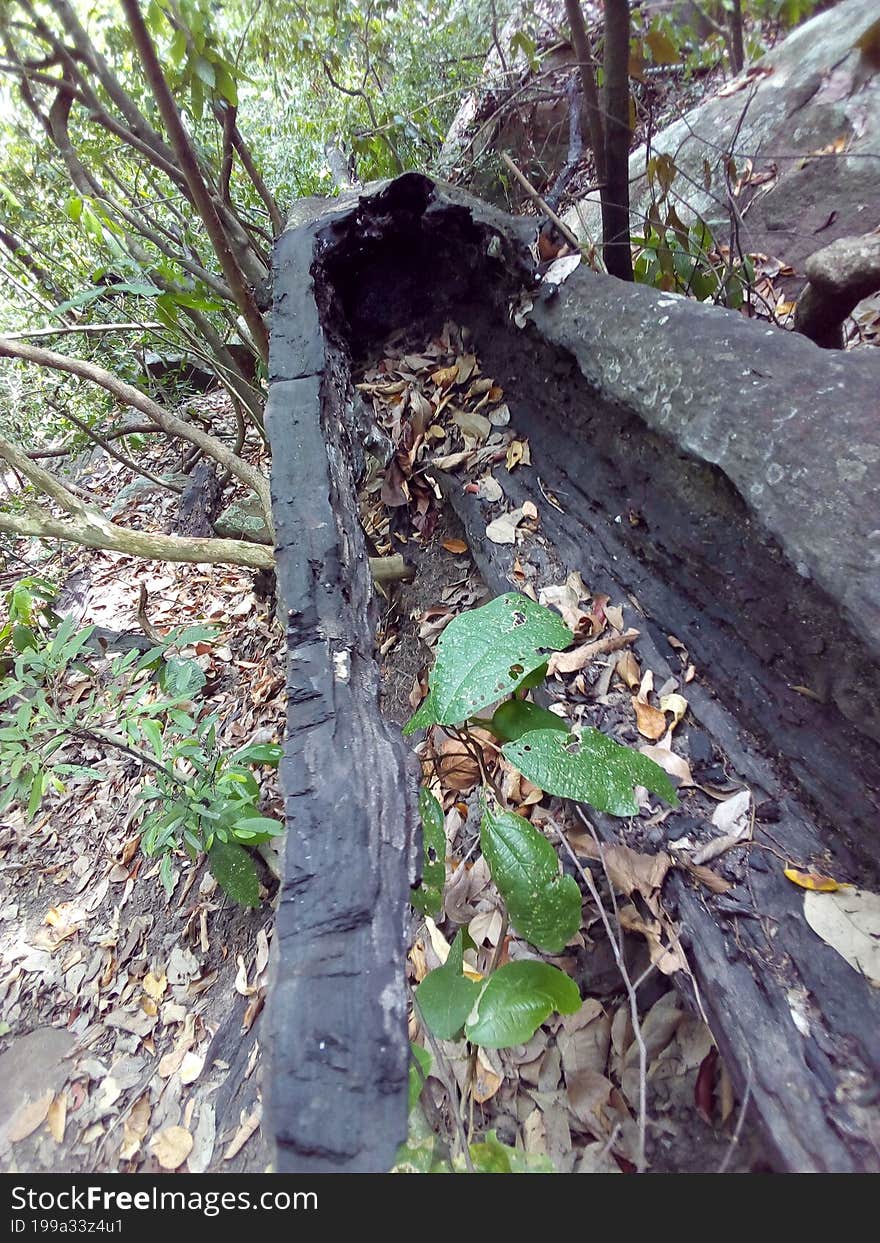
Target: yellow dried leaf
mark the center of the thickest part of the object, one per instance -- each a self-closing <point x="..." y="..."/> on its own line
<point x="243" y="1134"/>
<point x="518" y="454"/>
<point x="155" y="985"/>
<point x="676" y="704"/>
<point x="627" y="668"/>
<point x="455" y="545"/>
<point x="56" y="1118"/>
<point x="171" y="1146"/>
<point x="812" y="880"/>
<point x="444" y="376"/>
<point x="191" y="1067"/>
<point x="487" y="1080"/>
<point x="419" y="963"/>
<point x="134" y="1127"/>
<point x="650" y="721"/>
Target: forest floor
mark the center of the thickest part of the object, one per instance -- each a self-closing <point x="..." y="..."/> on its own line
<point x="125" y="1013"/>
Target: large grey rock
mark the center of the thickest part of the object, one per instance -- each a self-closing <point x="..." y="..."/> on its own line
<point x="807" y="95"/>
<point x="794" y="428"/>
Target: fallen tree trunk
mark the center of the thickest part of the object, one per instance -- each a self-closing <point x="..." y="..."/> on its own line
<point x="696" y="466"/>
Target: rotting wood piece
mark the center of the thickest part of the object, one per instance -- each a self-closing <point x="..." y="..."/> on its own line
<point x="701" y="569"/>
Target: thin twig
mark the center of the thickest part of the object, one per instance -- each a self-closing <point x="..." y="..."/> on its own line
<point x="641" y="1162"/>
<point x="448" y="1080"/>
<point x="735" y="1137"/>
<point x="541" y="203"/>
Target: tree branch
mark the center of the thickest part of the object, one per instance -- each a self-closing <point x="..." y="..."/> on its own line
<point x="131" y="396"/>
<point x="188" y="162"/>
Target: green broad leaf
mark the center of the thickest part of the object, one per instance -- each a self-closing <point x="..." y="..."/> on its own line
<point x="422" y="1155"/>
<point x="205" y="70"/>
<point x="446" y="997"/>
<point x="544" y="905"/>
<point x="80" y="770"/>
<point x="416" y="1080"/>
<point x="516" y="717"/>
<point x="490" y="1156"/>
<point x="178" y="47"/>
<point x="226" y="85"/>
<point x="257" y="829"/>
<point x="423" y="716"/>
<point x="235" y="873"/>
<point x="36" y="795"/>
<point x="591" y="768"/>
<point x="260" y="753"/>
<point x="23" y="637"/>
<point x="166" y="874"/>
<point x="517" y="999"/>
<point x="428" y="898"/>
<point x="153" y="734"/>
<point x="181" y="678"/>
<point x="533" y="679"/>
<point x="483" y="655"/>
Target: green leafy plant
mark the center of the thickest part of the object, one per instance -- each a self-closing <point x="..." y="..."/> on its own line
<point x="199" y="798"/>
<point x="29" y="613"/>
<point x="500" y="652"/>
<point x="686" y="259"/>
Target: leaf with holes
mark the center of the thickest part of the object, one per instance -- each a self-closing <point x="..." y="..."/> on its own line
<point x="516" y="717"/>
<point x="544" y="906"/>
<point x="484" y="655"/>
<point x="446" y="997"/>
<point x="428" y="898"/>
<point x="591" y="768"/>
<point x="517" y="999"/>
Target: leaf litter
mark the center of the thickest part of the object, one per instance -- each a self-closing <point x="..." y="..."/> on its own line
<point x="571" y="1094"/>
<point x="143" y="987"/>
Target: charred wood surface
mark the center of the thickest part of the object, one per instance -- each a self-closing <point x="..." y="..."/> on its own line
<point x="656" y="509"/>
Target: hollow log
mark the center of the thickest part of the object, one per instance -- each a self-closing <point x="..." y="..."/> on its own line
<point x="720" y="477"/>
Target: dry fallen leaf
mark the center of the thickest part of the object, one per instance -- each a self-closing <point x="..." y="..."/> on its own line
<point x="243" y="1134"/>
<point x="134" y="1127"/>
<point x="676" y="704"/>
<point x="487" y="1077"/>
<point x="650" y="721"/>
<point x="580" y="657"/>
<point x="518" y="454"/>
<point x="502" y="530"/>
<point x="155" y="985"/>
<point x="849" y="921"/>
<point x="455" y="545"/>
<point x="627" y="668"/>
<point x="56" y="1119"/>
<point x="812" y="880"/>
<point x="28" y="1117"/>
<point x="671" y="763"/>
<point x="171" y="1146"/>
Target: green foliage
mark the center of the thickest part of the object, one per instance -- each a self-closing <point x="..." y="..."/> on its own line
<point x="484" y="655"/>
<point x="543" y="905"/>
<point x="588" y="767"/>
<point x="428" y="898"/>
<point x="419" y="1070"/>
<point x="199" y="797"/>
<point x="516" y="1000"/>
<point x="490" y="1156"/>
<point x="445" y="996"/>
<point x="29" y="613"/>
<point x="686" y="259"/>
<point x="516" y="717"/>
